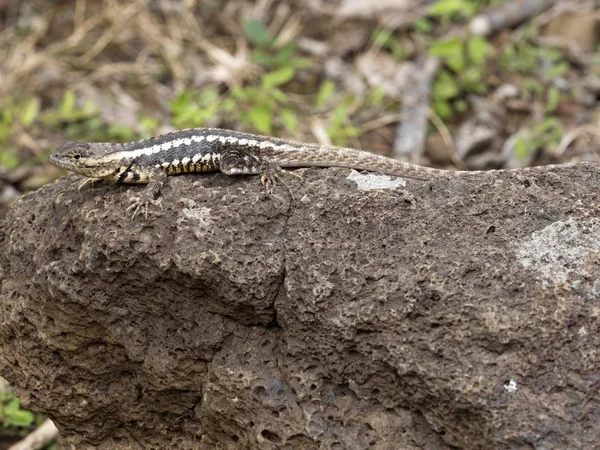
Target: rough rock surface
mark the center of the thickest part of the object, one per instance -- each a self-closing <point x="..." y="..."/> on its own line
<point x="355" y="314"/>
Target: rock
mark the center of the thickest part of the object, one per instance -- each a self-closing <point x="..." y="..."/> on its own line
<point x="457" y="313"/>
<point x="582" y="30"/>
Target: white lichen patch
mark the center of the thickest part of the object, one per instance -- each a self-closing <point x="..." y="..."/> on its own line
<point x="200" y="215"/>
<point x="371" y="181"/>
<point x="192" y="213"/>
<point x="563" y="251"/>
<point x="510" y="386"/>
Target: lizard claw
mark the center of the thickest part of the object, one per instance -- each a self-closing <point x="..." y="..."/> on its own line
<point x="141" y="203"/>
<point x="87" y="181"/>
<point x="271" y="175"/>
<point x="268" y="181"/>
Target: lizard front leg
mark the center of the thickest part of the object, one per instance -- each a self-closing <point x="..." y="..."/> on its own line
<point x="157" y="177"/>
<point x="239" y="162"/>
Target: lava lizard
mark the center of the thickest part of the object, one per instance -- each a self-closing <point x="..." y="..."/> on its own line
<point x="210" y="149"/>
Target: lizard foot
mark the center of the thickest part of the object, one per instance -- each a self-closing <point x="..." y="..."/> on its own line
<point x="141" y="204"/>
<point x="87" y="181"/>
<point x="271" y="175"/>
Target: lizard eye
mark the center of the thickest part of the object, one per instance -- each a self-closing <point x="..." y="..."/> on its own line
<point x="76" y="156"/>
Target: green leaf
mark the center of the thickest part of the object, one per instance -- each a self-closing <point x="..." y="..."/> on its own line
<point x="208" y="95"/>
<point x="301" y="63"/>
<point x="377" y="96"/>
<point x="450" y="8"/>
<point x="451" y="51"/>
<point x="181" y="102"/>
<point x="276" y="95"/>
<point x="9" y="157"/>
<point x="289" y="120"/>
<point x="398" y="51"/>
<point x="442" y="108"/>
<point x="263" y="59"/>
<point x="445" y="86"/>
<point x="239" y="93"/>
<point x="533" y="86"/>
<point x="423" y="25"/>
<point x="552" y="99"/>
<point x="89" y="108"/>
<point x="477" y="49"/>
<point x="12" y="414"/>
<point x="285" y="55"/>
<point x="30" y="112"/>
<point x="381" y="37"/>
<point x="13" y="405"/>
<point x="447" y="8"/>
<point x="67" y="106"/>
<point x="326" y="91"/>
<point x="228" y="105"/>
<point x="149" y="125"/>
<point x="257" y="33"/>
<point x="460" y="105"/>
<point x="121" y="133"/>
<point x="471" y="80"/>
<point x="261" y="118"/>
<point x="548" y="126"/>
<point x="19" y="418"/>
<point x="557" y="70"/>
<point x="521" y="147"/>
<point x="277" y="77"/>
<point x="339" y="115"/>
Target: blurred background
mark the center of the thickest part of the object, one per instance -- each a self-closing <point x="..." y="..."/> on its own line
<point x="460" y="84"/>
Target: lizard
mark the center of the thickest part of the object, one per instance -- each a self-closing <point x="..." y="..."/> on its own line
<point x="197" y="150"/>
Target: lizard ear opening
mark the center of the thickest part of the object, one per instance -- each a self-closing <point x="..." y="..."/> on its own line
<point x="76" y="156"/>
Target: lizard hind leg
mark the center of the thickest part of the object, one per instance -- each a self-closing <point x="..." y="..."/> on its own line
<point x="237" y="162"/>
<point x="271" y="175"/>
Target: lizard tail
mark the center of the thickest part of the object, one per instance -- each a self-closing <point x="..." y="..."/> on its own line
<point x="321" y="156"/>
<point x="356" y="159"/>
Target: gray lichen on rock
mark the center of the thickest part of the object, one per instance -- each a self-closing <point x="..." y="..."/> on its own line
<point x="563" y="251"/>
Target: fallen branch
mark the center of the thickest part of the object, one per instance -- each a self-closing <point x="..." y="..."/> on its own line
<point x="43" y="435"/>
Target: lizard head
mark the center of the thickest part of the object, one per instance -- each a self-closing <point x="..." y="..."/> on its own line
<point x="91" y="160"/>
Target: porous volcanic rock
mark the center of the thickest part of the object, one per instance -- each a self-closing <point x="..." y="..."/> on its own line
<point x="343" y="311"/>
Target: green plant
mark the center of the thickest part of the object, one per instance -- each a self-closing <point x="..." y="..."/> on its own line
<point x="15" y="115"/>
<point x="385" y="39"/>
<point x="546" y="135"/>
<point x="325" y="93"/>
<point x="262" y="106"/>
<point x="465" y="62"/>
<point x="527" y="58"/>
<point x="11" y="414"/>
<point x="194" y="108"/>
<point x="450" y="9"/>
<point x="423" y="25"/>
<point x="552" y="99"/>
<point x="267" y="53"/>
<point x="84" y="122"/>
<point x="14" y="420"/>
<point x="259" y="104"/>
<point x="533" y="90"/>
<point x="256" y="106"/>
<point x="340" y="128"/>
<point x="68" y="113"/>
